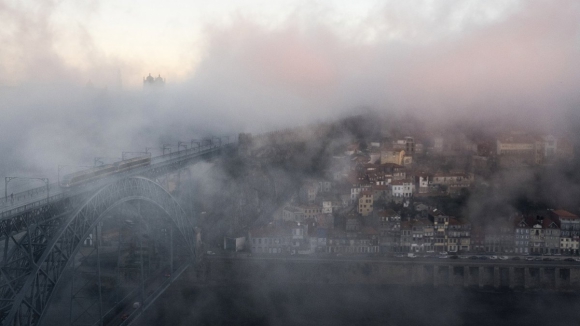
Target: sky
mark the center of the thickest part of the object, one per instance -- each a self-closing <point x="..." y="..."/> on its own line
<point x="234" y="66"/>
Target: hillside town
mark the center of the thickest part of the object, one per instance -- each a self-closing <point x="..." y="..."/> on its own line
<point x="407" y="197"/>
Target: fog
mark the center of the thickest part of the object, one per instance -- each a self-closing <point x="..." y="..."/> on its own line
<point x="502" y="62"/>
<point x="420" y="67"/>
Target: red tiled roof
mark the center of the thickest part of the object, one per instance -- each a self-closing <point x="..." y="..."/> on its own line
<point x="387" y="213"/>
<point x="548" y="221"/>
<point x="564" y="214"/>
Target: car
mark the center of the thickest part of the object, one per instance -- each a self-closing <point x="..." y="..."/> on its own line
<point x="463" y="256"/>
<point x="538" y="258"/>
<point x="547" y="259"/>
<point x="492" y="257"/>
<point x="516" y="258"/>
<point x="453" y="257"/>
<point x="443" y="253"/>
<point x="412" y="255"/>
<point x="569" y="259"/>
<point x="577" y="259"/>
<point x="443" y="256"/>
<point x="473" y="257"/>
<point x="483" y="257"/>
<point x="503" y="257"/>
<point x="399" y="255"/>
<point x="529" y="258"/>
<point x="209" y="252"/>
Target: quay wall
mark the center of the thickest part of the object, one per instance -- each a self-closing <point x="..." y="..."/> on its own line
<point x="460" y="273"/>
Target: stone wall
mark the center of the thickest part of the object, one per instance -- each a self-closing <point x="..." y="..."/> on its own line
<point x="520" y="275"/>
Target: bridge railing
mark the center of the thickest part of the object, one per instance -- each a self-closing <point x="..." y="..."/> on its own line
<point x="161" y="158"/>
<point x="42" y="189"/>
<point x="34" y="204"/>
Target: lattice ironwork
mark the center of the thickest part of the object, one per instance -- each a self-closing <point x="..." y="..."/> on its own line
<point x="36" y="263"/>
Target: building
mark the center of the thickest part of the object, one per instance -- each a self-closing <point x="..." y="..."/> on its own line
<point x="569" y="223"/>
<point x="458" y="236"/>
<point x="150" y="81"/>
<point x="364" y="241"/>
<point x="402" y="188"/>
<point x="536" y="244"/>
<point x="551" y="230"/>
<point x="365" y="203"/>
<point x="395" y="156"/>
<point x="279" y="238"/>
<point x="422" y="180"/>
<point x="522" y="228"/>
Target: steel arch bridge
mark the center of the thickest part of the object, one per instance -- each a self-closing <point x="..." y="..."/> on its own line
<point x="39" y="259"/>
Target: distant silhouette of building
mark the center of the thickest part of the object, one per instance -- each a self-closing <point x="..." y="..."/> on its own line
<point x="149" y="81"/>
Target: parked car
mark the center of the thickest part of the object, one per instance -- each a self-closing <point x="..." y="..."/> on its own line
<point x="399" y="255"/>
<point x="516" y="258"/>
<point x="483" y="257"/>
<point x="443" y="256"/>
<point x="443" y="253"/>
<point x="547" y="259"/>
<point x="529" y="258"/>
<point x="463" y="256"/>
<point x="473" y="257"/>
<point x="412" y="255"/>
<point x="492" y="257"/>
<point x="569" y="259"/>
<point x="503" y="257"/>
<point x="453" y="257"/>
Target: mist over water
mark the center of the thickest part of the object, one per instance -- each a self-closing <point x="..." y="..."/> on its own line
<point x="360" y="305"/>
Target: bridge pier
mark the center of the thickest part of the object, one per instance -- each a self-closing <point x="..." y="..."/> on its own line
<point x="496" y="277"/>
<point x="450" y="276"/>
<point x="527" y="278"/>
<point x="512" y="277"/>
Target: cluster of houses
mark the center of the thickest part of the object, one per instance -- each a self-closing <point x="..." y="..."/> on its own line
<point x="351" y="210"/>
<point x="552" y="232"/>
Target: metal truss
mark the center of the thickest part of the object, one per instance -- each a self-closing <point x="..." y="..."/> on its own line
<point x="37" y="260"/>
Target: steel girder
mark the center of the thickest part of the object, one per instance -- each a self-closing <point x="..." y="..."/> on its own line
<point x="21" y="218"/>
<point x="31" y="273"/>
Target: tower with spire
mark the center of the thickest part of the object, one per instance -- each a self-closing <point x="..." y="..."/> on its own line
<point x="150" y="81"/>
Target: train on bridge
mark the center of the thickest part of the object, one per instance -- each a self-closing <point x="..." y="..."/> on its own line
<point x="84" y="176"/>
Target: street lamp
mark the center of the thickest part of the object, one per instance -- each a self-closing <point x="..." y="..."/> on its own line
<point x="179" y="144"/>
<point x="166" y="146"/>
<point x="8" y="179"/>
<point x="196" y="141"/>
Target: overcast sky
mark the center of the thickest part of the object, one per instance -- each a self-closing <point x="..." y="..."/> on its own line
<point x="255" y="65"/>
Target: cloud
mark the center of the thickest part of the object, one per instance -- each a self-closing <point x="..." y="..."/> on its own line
<point x="443" y="60"/>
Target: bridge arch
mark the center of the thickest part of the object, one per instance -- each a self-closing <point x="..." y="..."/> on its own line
<point x="64" y="242"/>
